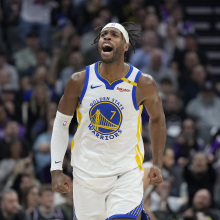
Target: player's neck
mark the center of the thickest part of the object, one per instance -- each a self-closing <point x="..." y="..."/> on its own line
<point x="113" y="71"/>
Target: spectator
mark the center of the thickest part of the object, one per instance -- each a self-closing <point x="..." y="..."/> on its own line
<point x="41" y="124"/>
<point x="11" y="14"/>
<point x="164" y="206"/>
<point x="158" y="70"/>
<point x="166" y="88"/>
<point x="201" y="207"/>
<point x="40" y="76"/>
<point x="31" y="199"/>
<point x="141" y="58"/>
<point x="191" y="60"/>
<point x="75" y="65"/>
<point x="13" y="80"/>
<point x="173" y="41"/>
<point x="12" y="11"/>
<point x="89" y="52"/>
<point x="151" y="22"/>
<point x="130" y="10"/>
<point x="177" y="18"/>
<point x="208" y="115"/>
<point x="166" y="9"/>
<point x="68" y="205"/>
<point x="173" y="109"/>
<point x="191" y="45"/>
<point x="65" y="31"/>
<point x="171" y="172"/>
<point x="65" y="11"/>
<point x="35" y="15"/>
<point x="15" y="154"/>
<point x="4" y="79"/>
<point x="12" y="131"/>
<point x="88" y="10"/>
<point x="26" y="57"/>
<point x="46" y="209"/>
<point x="10" y="206"/>
<point x="198" y="78"/>
<point x="106" y="15"/>
<point x="213" y="150"/>
<point x="62" y="60"/>
<point x="3" y="120"/>
<point x="12" y="103"/>
<point x="42" y="60"/>
<point x="1" y="22"/>
<point x="199" y="174"/>
<point x="41" y="148"/>
<point x="23" y="180"/>
<point x="35" y="105"/>
<point x="187" y="143"/>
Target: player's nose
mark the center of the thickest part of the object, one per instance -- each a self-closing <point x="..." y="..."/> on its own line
<point x="107" y="37"/>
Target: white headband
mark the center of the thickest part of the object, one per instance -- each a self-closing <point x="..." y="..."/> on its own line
<point x="120" y="28"/>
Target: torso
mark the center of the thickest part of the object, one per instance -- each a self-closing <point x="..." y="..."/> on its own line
<point x="108" y="140"/>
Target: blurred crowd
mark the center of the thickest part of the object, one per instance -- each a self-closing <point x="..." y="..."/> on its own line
<point x="43" y="42"/>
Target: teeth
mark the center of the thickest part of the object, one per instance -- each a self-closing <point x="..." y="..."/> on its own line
<point x="106" y="45"/>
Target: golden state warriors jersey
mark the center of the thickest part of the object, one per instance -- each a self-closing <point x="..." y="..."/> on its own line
<point x="108" y="139"/>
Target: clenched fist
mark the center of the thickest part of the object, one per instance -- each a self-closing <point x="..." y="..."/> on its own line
<point x="60" y="182"/>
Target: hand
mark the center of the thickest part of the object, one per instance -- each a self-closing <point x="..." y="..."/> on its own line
<point x="60" y="182"/>
<point x="155" y="175"/>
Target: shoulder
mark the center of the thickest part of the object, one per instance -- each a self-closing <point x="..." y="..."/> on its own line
<point x="78" y="76"/>
<point x="146" y="82"/>
<point x="146" y="88"/>
<point x="75" y="84"/>
<point x="77" y="79"/>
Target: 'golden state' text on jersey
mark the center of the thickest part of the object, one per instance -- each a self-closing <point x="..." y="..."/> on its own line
<point x="108" y="140"/>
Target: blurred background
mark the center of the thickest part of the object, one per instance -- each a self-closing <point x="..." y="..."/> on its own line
<point x="43" y="42"/>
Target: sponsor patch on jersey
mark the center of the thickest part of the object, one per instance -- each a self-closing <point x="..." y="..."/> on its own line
<point x="123" y="89"/>
<point x="106" y="119"/>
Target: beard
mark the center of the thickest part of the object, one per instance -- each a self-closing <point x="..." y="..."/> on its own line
<point x="116" y="54"/>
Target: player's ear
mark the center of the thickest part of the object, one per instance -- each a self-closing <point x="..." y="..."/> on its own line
<point x="126" y="46"/>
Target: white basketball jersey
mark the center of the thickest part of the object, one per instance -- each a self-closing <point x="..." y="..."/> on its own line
<point x="108" y="140"/>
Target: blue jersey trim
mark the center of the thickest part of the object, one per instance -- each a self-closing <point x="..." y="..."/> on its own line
<point x="107" y="84"/>
<point x="133" y="214"/>
<point x="121" y="216"/>
<point x="74" y="215"/>
<point x="85" y="84"/>
<point x="134" y="90"/>
<point x="144" y="215"/>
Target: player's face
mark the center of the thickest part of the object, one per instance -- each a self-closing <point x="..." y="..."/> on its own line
<point x="111" y="45"/>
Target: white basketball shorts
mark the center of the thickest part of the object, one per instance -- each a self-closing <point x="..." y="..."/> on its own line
<point x="112" y="197"/>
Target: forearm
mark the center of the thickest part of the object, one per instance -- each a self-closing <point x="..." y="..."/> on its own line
<point x="59" y="140"/>
<point x="157" y="129"/>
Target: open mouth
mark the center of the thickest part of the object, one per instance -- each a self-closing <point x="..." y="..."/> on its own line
<point x="107" y="48"/>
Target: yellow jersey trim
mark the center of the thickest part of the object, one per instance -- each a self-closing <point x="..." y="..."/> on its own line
<point x="79" y="118"/>
<point x="139" y="156"/>
<point x="129" y="81"/>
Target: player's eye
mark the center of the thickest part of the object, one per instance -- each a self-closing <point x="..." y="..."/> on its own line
<point x="103" y="34"/>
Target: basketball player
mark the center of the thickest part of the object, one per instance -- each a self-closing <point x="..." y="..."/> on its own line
<point x="107" y="149"/>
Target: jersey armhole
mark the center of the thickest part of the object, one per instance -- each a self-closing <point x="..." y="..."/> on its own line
<point x="135" y="89"/>
<point x="85" y="84"/>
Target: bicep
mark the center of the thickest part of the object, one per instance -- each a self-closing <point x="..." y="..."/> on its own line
<point x="153" y="106"/>
<point x="68" y="105"/>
